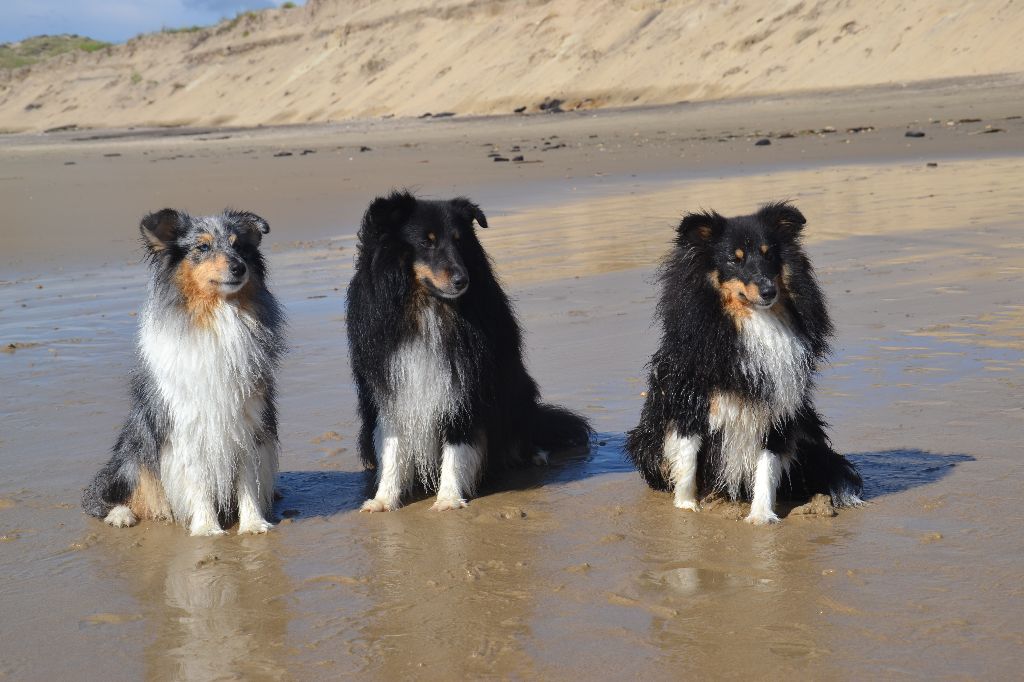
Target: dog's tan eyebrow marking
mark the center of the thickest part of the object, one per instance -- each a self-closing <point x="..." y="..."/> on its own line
<point x="205" y="238"/>
<point x="764" y="248"/>
<point x="232" y="239"/>
<point x="431" y="236"/>
<point x="740" y="254"/>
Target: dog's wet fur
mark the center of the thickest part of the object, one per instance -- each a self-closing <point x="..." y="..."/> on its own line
<point x="444" y="397"/>
<point x="199" y="446"/>
<point x="729" y="406"/>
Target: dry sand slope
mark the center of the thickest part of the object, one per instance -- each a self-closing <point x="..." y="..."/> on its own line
<point x="335" y="59"/>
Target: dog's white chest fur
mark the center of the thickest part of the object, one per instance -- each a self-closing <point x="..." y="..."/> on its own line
<point x="772" y="355"/>
<point x="210" y="377"/>
<point x="423" y="395"/>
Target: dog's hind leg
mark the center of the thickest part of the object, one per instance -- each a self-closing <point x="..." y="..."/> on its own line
<point x="394" y="473"/>
<point x="767" y="475"/>
<point x="121" y="517"/>
<point x="681" y="457"/>
<point x="461" y="465"/>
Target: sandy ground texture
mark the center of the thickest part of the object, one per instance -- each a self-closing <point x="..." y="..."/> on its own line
<point x="339" y="59"/>
<point x="576" y="569"/>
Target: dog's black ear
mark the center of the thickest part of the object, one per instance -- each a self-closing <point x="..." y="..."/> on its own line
<point x="784" y="216"/>
<point x="161" y="229"/>
<point x="470" y="210"/>
<point x="700" y="228"/>
<point x="388" y="213"/>
<point x="255" y="226"/>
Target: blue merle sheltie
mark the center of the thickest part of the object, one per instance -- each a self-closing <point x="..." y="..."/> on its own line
<point x="200" y="445"/>
<point x="444" y="397"/>
<point x="729" y="407"/>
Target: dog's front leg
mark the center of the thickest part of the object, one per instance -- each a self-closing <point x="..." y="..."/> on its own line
<point x="767" y="475"/>
<point x="255" y="489"/>
<point x="680" y="453"/>
<point x="461" y="464"/>
<point x="204" y="515"/>
<point x="395" y="473"/>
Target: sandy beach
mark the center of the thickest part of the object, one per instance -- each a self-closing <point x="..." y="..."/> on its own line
<point x="577" y="569"/>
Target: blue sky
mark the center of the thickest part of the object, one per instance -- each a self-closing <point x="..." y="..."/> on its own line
<point x="114" y="20"/>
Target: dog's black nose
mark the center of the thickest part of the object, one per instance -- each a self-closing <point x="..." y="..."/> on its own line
<point x="768" y="291"/>
<point x="460" y="280"/>
<point x="238" y="268"/>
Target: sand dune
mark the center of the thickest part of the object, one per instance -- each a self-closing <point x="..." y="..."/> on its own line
<point x="338" y="59"/>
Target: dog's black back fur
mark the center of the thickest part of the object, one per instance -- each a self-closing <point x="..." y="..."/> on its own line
<point x="481" y="336"/>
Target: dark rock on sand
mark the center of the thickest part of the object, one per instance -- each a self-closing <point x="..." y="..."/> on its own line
<point x="279" y="154"/>
<point x="913" y="133"/>
<point x="763" y="142"/>
<point x="552" y="106"/>
<point x="500" y="158"/>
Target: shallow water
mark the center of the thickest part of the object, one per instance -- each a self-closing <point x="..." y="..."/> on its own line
<point x="576" y="569"/>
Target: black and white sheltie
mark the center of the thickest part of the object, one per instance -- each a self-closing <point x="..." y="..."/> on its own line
<point x="436" y="353"/>
<point x="728" y="407"/>
<point x="200" y="443"/>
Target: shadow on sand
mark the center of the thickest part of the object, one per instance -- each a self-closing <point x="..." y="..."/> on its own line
<point x="895" y="471"/>
<point x="307" y="494"/>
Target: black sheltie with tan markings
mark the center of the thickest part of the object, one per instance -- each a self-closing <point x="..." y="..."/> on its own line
<point x="199" y="446"/>
<point x="444" y="397"/>
<point x="729" y="405"/>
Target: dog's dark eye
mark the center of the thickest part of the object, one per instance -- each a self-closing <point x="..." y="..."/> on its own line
<point x="203" y="248"/>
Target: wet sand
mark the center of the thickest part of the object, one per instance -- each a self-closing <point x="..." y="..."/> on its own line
<point x="577" y="569"/>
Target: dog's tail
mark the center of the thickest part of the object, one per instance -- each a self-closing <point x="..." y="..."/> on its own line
<point x="109" y="488"/>
<point x="644" y="448"/>
<point x="556" y="428"/>
<point x="826" y="471"/>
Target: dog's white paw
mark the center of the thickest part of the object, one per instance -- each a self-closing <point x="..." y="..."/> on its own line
<point x="375" y="505"/>
<point x="449" y="503"/>
<point x="121" y="517"/>
<point x="762" y="517"/>
<point x="690" y="505"/>
<point x="257" y="527"/>
<point x="207" y="530"/>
